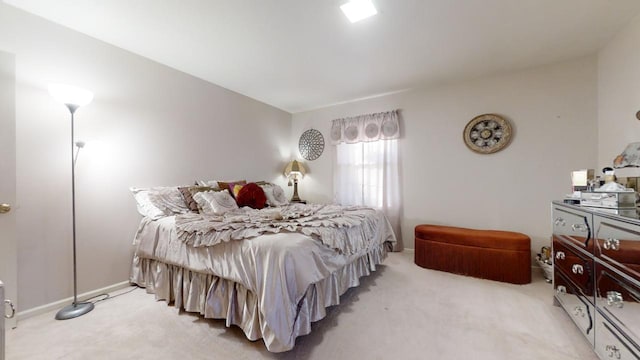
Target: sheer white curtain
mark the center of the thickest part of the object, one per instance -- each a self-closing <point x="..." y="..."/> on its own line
<point x="367" y="172"/>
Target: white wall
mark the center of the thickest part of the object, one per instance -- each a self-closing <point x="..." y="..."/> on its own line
<point x="148" y="125"/>
<point x="619" y="93"/>
<point x="553" y="112"/>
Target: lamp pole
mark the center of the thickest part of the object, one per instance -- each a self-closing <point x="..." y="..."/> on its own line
<point x="72" y="109"/>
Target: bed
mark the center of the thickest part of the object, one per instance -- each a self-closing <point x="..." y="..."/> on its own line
<point x="271" y="272"/>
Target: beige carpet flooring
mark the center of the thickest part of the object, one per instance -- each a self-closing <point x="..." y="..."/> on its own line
<point x="400" y="312"/>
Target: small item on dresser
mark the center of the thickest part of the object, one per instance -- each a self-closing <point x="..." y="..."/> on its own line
<point x="573" y="198"/>
<point x="580" y="179"/>
<point x="610" y="200"/>
<point x="611" y="195"/>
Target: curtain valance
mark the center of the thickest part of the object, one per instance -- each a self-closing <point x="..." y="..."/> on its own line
<point x="364" y="128"/>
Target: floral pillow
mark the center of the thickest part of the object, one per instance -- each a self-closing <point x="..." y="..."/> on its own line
<point x="275" y="195"/>
<point x="215" y="202"/>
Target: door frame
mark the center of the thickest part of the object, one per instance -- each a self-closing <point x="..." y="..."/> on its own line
<point x="8" y="232"/>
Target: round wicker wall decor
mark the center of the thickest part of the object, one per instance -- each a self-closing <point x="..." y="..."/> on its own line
<point x="311" y="144"/>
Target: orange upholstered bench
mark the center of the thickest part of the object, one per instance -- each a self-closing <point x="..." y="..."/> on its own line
<point x="486" y="254"/>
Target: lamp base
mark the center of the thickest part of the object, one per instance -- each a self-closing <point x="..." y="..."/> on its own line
<point x="74" y="310"/>
<point x="295" y="197"/>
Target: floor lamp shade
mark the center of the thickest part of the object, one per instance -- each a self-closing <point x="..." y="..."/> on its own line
<point x="70" y="95"/>
<point x="73" y="97"/>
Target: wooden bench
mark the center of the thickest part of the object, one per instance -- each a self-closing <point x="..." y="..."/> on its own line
<point x="486" y="254"/>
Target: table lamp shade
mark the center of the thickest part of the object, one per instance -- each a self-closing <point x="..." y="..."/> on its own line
<point x="294" y="168"/>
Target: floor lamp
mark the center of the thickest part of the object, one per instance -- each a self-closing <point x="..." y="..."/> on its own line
<point x="73" y="97"/>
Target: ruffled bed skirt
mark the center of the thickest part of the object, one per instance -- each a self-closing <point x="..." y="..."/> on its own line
<point x="218" y="298"/>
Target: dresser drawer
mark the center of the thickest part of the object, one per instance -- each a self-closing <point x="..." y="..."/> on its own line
<point x="574" y="264"/>
<point x="618" y="298"/>
<point x="618" y="244"/>
<point x="577" y="307"/>
<point x="611" y="344"/>
<point x="573" y="225"/>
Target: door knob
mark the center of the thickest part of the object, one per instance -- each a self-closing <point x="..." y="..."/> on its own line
<point x="5" y="208"/>
<point x="13" y="309"/>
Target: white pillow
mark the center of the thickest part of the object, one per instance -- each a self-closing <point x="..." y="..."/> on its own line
<point x="146" y="207"/>
<point x="275" y="195"/>
<point x="158" y="202"/>
<point x="215" y="202"/>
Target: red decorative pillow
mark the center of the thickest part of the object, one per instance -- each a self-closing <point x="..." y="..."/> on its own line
<point x="251" y="195"/>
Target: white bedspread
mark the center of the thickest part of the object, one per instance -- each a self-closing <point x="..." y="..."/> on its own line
<point x="277" y="267"/>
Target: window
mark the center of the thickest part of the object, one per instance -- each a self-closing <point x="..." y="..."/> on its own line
<point x="362" y="173"/>
<point x="365" y="167"/>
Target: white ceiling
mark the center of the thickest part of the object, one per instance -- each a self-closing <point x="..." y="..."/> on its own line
<point x="299" y="55"/>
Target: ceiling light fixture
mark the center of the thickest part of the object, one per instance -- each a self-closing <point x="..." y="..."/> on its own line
<point x="356" y="10"/>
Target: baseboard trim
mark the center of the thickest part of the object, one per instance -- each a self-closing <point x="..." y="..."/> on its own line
<point x="409" y="250"/>
<point x="23" y="315"/>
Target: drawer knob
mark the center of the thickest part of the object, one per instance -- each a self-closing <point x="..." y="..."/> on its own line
<point x="560" y="255"/>
<point x="611" y="244"/>
<point x="561" y="290"/>
<point x="13" y="309"/>
<point x="579" y="227"/>
<point x="577" y="269"/>
<point x="613" y="351"/>
<point x="559" y="221"/>
<point x="615" y="298"/>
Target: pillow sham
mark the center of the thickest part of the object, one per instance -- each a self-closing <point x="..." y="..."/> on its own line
<point x="230" y="184"/>
<point x="275" y="195"/>
<point x="215" y="202"/>
<point x="251" y="195"/>
<point x="188" y="192"/>
<point x="157" y="202"/>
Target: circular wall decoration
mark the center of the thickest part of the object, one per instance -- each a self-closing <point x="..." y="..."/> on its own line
<point x="487" y="133"/>
<point x="311" y="144"/>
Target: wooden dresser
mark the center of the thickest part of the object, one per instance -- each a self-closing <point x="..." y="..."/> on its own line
<point x="596" y="276"/>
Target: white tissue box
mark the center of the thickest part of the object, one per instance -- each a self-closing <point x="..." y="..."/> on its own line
<point x="611" y="200"/>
